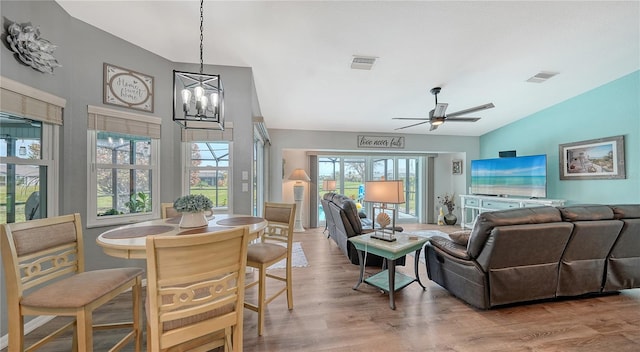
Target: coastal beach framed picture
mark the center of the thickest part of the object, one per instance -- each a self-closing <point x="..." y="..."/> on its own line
<point x="594" y="159"/>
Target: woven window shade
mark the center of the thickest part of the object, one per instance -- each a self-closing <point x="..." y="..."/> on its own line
<point x="193" y="135"/>
<point x="24" y="101"/>
<point x="108" y="120"/>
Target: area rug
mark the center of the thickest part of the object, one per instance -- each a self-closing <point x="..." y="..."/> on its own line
<point x="298" y="259"/>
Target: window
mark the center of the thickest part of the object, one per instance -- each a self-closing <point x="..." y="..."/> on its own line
<point x="29" y="141"/>
<point x="208" y="171"/>
<point x="123" y="167"/>
<point x="27" y="153"/>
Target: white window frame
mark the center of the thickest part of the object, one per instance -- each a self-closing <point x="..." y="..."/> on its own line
<point x="93" y="220"/>
<point x="31" y="103"/>
<point x="49" y="157"/>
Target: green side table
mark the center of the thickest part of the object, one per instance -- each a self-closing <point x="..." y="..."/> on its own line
<point x="388" y="280"/>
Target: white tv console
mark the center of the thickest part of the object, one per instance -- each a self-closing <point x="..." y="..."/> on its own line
<point x="475" y="204"/>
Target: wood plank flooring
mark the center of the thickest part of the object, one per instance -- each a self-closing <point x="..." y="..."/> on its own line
<point x="329" y="315"/>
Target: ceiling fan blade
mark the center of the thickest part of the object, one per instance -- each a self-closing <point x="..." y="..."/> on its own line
<point x="410" y="118"/>
<point x="462" y="119"/>
<point x="470" y="110"/>
<point x="415" y="124"/>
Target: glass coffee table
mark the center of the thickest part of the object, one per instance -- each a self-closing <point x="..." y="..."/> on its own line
<point x="388" y="280"/>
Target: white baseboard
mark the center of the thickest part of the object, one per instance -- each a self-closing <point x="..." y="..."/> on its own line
<point x="38" y="322"/>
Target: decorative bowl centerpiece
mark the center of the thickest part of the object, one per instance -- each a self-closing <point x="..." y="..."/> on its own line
<point x="195" y="209"/>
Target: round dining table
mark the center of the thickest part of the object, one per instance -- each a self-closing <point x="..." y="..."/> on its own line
<point x="129" y="241"/>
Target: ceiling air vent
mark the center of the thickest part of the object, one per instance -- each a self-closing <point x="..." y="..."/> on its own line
<point x="541" y="77"/>
<point x="363" y="62"/>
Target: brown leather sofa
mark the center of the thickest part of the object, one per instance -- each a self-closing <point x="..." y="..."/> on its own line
<point x="530" y="254"/>
<point x="344" y="221"/>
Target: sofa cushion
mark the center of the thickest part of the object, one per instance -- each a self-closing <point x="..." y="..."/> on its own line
<point x="449" y="247"/>
<point x="460" y="237"/>
<point x="349" y="213"/>
<point x="486" y="221"/>
<point x="586" y="212"/>
<point x="629" y="211"/>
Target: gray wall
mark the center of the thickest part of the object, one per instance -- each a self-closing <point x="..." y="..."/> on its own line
<point x="82" y="50"/>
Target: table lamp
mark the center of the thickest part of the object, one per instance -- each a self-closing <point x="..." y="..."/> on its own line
<point x="384" y="192"/>
<point x="329" y="185"/>
<point x="300" y="176"/>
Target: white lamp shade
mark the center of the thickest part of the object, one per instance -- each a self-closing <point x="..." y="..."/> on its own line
<point x="299" y="175"/>
<point x="388" y="191"/>
<point x="329" y="185"/>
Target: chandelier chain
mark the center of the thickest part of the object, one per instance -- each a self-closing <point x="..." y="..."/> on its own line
<point x="201" y="34"/>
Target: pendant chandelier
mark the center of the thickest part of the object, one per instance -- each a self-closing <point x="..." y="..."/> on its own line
<point x="198" y="98"/>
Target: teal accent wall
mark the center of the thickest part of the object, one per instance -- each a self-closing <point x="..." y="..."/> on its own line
<point x="610" y="110"/>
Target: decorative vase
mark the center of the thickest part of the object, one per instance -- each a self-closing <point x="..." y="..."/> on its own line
<point x="197" y="219"/>
<point x="450" y="219"/>
<point x="441" y="217"/>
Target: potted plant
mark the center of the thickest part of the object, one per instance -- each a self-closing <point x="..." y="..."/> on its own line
<point x="195" y="209"/>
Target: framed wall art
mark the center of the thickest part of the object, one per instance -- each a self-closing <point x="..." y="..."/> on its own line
<point x="124" y="87"/>
<point x="456" y="167"/>
<point x="593" y="159"/>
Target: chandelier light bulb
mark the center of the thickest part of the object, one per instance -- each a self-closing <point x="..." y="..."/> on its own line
<point x="198" y="92"/>
<point x="205" y="102"/>
<point x="186" y="99"/>
<point x="186" y="96"/>
<point x="214" y="99"/>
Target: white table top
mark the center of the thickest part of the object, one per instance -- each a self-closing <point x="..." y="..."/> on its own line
<point x="129" y="241"/>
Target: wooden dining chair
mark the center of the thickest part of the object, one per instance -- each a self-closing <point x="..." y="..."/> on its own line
<point x="45" y="275"/>
<point x="275" y="244"/>
<point x="168" y="211"/>
<point x="195" y="290"/>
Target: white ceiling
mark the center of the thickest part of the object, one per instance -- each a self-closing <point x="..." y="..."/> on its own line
<point x="477" y="51"/>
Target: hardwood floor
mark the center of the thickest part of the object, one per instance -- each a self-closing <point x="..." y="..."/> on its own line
<point x="329" y="316"/>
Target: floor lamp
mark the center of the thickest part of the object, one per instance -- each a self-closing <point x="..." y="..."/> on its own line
<point x="300" y="176"/>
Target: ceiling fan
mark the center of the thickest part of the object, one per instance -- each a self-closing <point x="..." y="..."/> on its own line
<point x="437" y="116"/>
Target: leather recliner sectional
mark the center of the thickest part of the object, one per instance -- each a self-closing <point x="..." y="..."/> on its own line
<point x="530" y="254"/>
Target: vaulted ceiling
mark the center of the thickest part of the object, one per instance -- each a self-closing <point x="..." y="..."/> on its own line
<point x="477" y="51"/>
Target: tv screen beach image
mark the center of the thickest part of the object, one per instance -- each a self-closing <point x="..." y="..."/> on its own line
<point x="524" y="176"/>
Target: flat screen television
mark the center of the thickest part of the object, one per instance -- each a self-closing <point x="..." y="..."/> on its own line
<point x="523" y="176"/>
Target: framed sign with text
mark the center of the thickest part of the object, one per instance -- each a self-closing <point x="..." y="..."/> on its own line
<point x="380" y="142"/>
<point x="131" y="89"/>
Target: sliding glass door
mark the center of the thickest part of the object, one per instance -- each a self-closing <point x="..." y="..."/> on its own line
<point x="350" y="173"/>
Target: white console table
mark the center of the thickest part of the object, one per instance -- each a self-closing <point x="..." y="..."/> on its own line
<point x="473" y="205"/>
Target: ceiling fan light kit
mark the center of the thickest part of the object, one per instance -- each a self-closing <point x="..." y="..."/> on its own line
<point x="438" y="115"/>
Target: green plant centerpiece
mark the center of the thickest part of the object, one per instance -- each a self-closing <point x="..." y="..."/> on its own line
<point x="192" y="203"/>
<point x="194" y="208"/>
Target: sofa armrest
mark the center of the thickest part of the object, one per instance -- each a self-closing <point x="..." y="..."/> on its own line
<point x="449" y="247"/>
